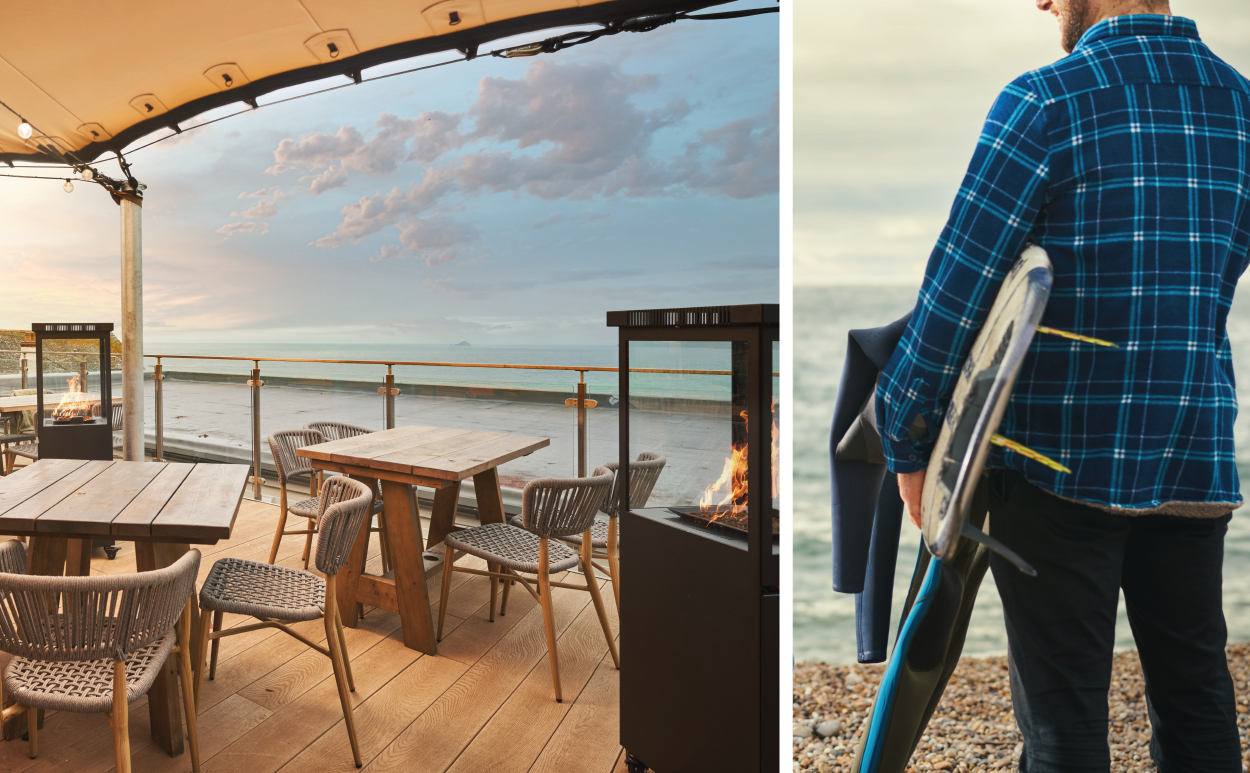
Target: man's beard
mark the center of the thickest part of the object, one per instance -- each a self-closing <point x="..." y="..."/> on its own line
<point x="1074" y="23"/>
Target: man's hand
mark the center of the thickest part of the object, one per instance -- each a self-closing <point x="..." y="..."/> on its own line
<point x="910" y="485"/>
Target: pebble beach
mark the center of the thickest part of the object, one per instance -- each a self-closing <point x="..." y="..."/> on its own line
<point x="973" y="728"/>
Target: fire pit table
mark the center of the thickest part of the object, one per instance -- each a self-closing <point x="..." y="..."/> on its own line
<point x="440" y="458"/>
<point x="62" y="504"/>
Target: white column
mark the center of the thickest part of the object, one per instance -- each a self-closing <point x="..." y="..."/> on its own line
<point x="132" y="327"/>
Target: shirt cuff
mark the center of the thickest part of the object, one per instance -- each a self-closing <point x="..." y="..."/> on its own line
<point x="902" y="457"/>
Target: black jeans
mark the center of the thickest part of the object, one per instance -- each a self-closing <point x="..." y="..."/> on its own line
<point x="1061" y="629"/>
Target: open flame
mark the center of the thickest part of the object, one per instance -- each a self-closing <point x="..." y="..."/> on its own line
<point x="731" y="486"/>
<point x="75" y="404"/>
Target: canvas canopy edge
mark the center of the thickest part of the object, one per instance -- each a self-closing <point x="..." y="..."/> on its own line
<point x="467" y="41"/>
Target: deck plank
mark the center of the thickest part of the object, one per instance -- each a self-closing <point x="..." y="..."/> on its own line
<point x="517" y="733"/>
<point x="484" y="703"/>
<point x="442" y="733"/>
<point x="587" y="738"/>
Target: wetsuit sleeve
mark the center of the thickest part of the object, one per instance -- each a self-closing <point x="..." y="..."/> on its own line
<point x="988" y="227"/>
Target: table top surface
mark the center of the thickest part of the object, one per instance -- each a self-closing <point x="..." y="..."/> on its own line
<point x="31" y="402"/>
<point x="431" y="452"/>
<point x="192" y="503"/>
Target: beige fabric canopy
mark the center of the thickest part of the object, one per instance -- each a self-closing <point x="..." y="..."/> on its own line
<point x="94" y="78"/>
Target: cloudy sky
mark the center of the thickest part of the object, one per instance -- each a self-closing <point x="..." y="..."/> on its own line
<point x="889" y="100"/>
<point x="499" y="201"/>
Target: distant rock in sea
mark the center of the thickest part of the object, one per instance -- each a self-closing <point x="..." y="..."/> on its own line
<point x="462" y="343"/>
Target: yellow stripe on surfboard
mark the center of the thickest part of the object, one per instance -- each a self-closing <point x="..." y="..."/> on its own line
<point x="1076" y="337"/>
<point x="1025" y="451"/>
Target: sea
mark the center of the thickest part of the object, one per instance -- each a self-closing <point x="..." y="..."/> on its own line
<point x="824" y="621"/>
<point x="659" y="355"/>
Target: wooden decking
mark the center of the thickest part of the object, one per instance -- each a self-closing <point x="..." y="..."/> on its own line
<point x="484" y="703"/>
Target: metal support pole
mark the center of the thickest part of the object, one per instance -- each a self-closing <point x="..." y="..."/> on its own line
<point x="390" y="398"/>
<point x="24" y="371"/>
<point x="158" y="377"/>
<point x="255" y="383"/>
<point x="132" y="327"/>
<point x="581" y="426"/>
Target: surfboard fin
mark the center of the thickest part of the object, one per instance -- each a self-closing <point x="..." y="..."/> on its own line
<point x="976" y="535"/>
<point x="1076" y="337"/>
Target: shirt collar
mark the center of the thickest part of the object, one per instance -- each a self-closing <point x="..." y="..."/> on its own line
<point x="1138" y="24"/>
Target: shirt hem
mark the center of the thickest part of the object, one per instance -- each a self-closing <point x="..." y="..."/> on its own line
<point x="1175" y="507"/>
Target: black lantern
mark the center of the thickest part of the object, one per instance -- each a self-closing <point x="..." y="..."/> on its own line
<point x="700" y="563"/>
<point x="75" y="390"/>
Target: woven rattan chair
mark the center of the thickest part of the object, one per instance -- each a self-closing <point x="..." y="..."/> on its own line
<point x="551" y="509"/>
<point x="277" y="594"/>
<point x="81" y="642"/>
<point x="337" y="430"/>
<point x="27" y="449"/>
<point x="6" y="440"/>
<point x="643" y="475"/>
<point x="21" y="433"/>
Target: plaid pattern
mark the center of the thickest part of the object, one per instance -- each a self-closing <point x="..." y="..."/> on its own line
<point x="1129" y="163"/>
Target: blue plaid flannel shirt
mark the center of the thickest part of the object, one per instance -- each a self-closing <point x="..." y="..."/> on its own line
<point x="1129" y="163"/>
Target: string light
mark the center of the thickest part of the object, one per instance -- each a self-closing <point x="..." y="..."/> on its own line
<point x="87" y="173"/>
<point x="69" y="186"/>
<point x="25" y="130"/>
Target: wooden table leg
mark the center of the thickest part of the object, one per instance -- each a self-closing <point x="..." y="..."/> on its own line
<point x="46" y="556"/>
<point x="78" y="558"/>
<point x="164" y="706"/>
<point x="489" y="497"/>
<point x="489" y="510"/>
<point x="403" y="524"/>
<point x="443" y="517"/>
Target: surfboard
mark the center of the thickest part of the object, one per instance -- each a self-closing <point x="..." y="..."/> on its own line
<point x="968" y="429"/>
<point x="979" y="401"/>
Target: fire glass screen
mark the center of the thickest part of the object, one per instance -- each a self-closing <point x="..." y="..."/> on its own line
<point x="689" y="402"/>
<point x="74" y="374"/>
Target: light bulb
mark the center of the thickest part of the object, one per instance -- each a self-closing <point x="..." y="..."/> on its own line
<point x="69" y="186"/>
<point x="24" y="130"/>
<point x="87" y="174"/>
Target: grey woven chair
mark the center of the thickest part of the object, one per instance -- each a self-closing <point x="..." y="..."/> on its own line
<point x="551" y="509"/>
<point x="7" y="439"/>
<point x="81" y="643"/>
<point x="643" y="475"/>
<point x="337" y="430"/>
<point x="28" y="448"/>
<point x="283" y="446"/>
<point x="273" y="594"/>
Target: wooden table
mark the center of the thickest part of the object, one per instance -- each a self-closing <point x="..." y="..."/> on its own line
<point x="440" y="458"/>
<point x="62" y="504"/>
<point x="11" y="405"/>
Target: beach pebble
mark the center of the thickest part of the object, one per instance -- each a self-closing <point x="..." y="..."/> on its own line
<point x="974" y="728"/>
<point x="829" y="727"/>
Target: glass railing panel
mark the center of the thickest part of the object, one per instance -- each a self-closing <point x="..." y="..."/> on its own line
<point x="207" y="411"/>
<point x="692" y="419"/>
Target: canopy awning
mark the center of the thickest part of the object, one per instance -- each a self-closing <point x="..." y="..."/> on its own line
<point x="132" y="67"/>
